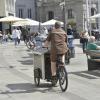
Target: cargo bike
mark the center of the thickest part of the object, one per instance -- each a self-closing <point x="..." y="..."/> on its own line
<point x="42" y="69"/>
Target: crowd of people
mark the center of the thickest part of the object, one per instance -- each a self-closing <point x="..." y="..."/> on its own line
<point x="4" y="36"/>
<point x="19" y="33"/>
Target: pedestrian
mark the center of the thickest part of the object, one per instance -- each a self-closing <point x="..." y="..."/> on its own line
<point x="70" y="41"/>
<point x="57" y="38"/>
<point x="5" y="37"/>
<point x="92" y="45"/>
<point x="18" y="35"/>
<point x="84" y="36"/>
<point x="25" y="33"/>
<point x="15" y="36"/>
<point x="1" y="37"/>
<point x="45" y="31"/>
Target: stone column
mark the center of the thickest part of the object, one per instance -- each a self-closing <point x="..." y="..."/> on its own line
<point x="99" y="12"/>
<point x="87" y="14"/>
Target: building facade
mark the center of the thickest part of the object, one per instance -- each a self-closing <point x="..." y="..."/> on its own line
<point x="75" y="11"/>
<point x="7" y="8"/>
<point x="25" y="9"/>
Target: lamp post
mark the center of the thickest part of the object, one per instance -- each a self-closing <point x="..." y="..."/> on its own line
<point x="39" y="3"/>
<point x="87" y="15"/>
<point x="99" y="12"/>
<point x="90" y="27"/>
<point x="62" y="5"/>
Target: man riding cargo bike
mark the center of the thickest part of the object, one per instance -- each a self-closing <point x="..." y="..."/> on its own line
<point x="58" y="48"/>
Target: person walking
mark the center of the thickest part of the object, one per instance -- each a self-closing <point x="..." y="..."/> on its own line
<point x="70" y="41"/>
<point x="15" y="35"/>
<point x="84" y="36"/>
<point x="18" y="35"/>
<point x="25" y="33"/>
<point x="1" y="37"/>
<point x="58" y="40"/>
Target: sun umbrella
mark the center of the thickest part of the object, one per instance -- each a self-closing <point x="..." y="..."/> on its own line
<point x="52" y="22"/>
<point x="95" y="16"/>
<point x="10" y="19"/>
<point x="26" y="22"/>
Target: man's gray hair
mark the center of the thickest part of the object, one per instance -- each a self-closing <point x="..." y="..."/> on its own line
<point x="57" y="24"/>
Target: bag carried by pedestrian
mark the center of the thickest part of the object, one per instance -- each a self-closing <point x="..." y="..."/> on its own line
<point x="81" y="40"/>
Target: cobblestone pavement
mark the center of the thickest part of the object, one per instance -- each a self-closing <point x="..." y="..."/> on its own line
<point x="16" y="77"/>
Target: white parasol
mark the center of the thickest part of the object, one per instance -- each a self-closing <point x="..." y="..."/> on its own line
<point x="52" y="22"/>
<point x="95" y="16"/>
<point x="10" y="19"/>
<point x="26" y="22"/>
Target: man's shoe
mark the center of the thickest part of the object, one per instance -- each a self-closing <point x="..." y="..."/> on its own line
<point x="54" y="80"/>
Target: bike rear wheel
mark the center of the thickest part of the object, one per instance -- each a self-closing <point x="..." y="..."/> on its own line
<point x="63" y="78"/>
<point x="37" y="77"/>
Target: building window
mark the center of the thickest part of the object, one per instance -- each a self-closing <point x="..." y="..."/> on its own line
<point x="93" y="11"/>
<point x="29" y="13"/>
<point x="12" y="5"/>
<point x="70" y="13"/>
<point x="20" y="13"/>
<point x="50" y="15"/>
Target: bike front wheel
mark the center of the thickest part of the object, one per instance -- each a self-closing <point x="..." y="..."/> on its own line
<point x="30" y="45"/>
<point x="63" y="78"/>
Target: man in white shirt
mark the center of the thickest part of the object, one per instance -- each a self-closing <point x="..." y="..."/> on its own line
<point x="16" y="36"/>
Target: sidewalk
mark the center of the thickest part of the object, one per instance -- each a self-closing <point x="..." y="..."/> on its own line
<point x="17" y="82"/>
